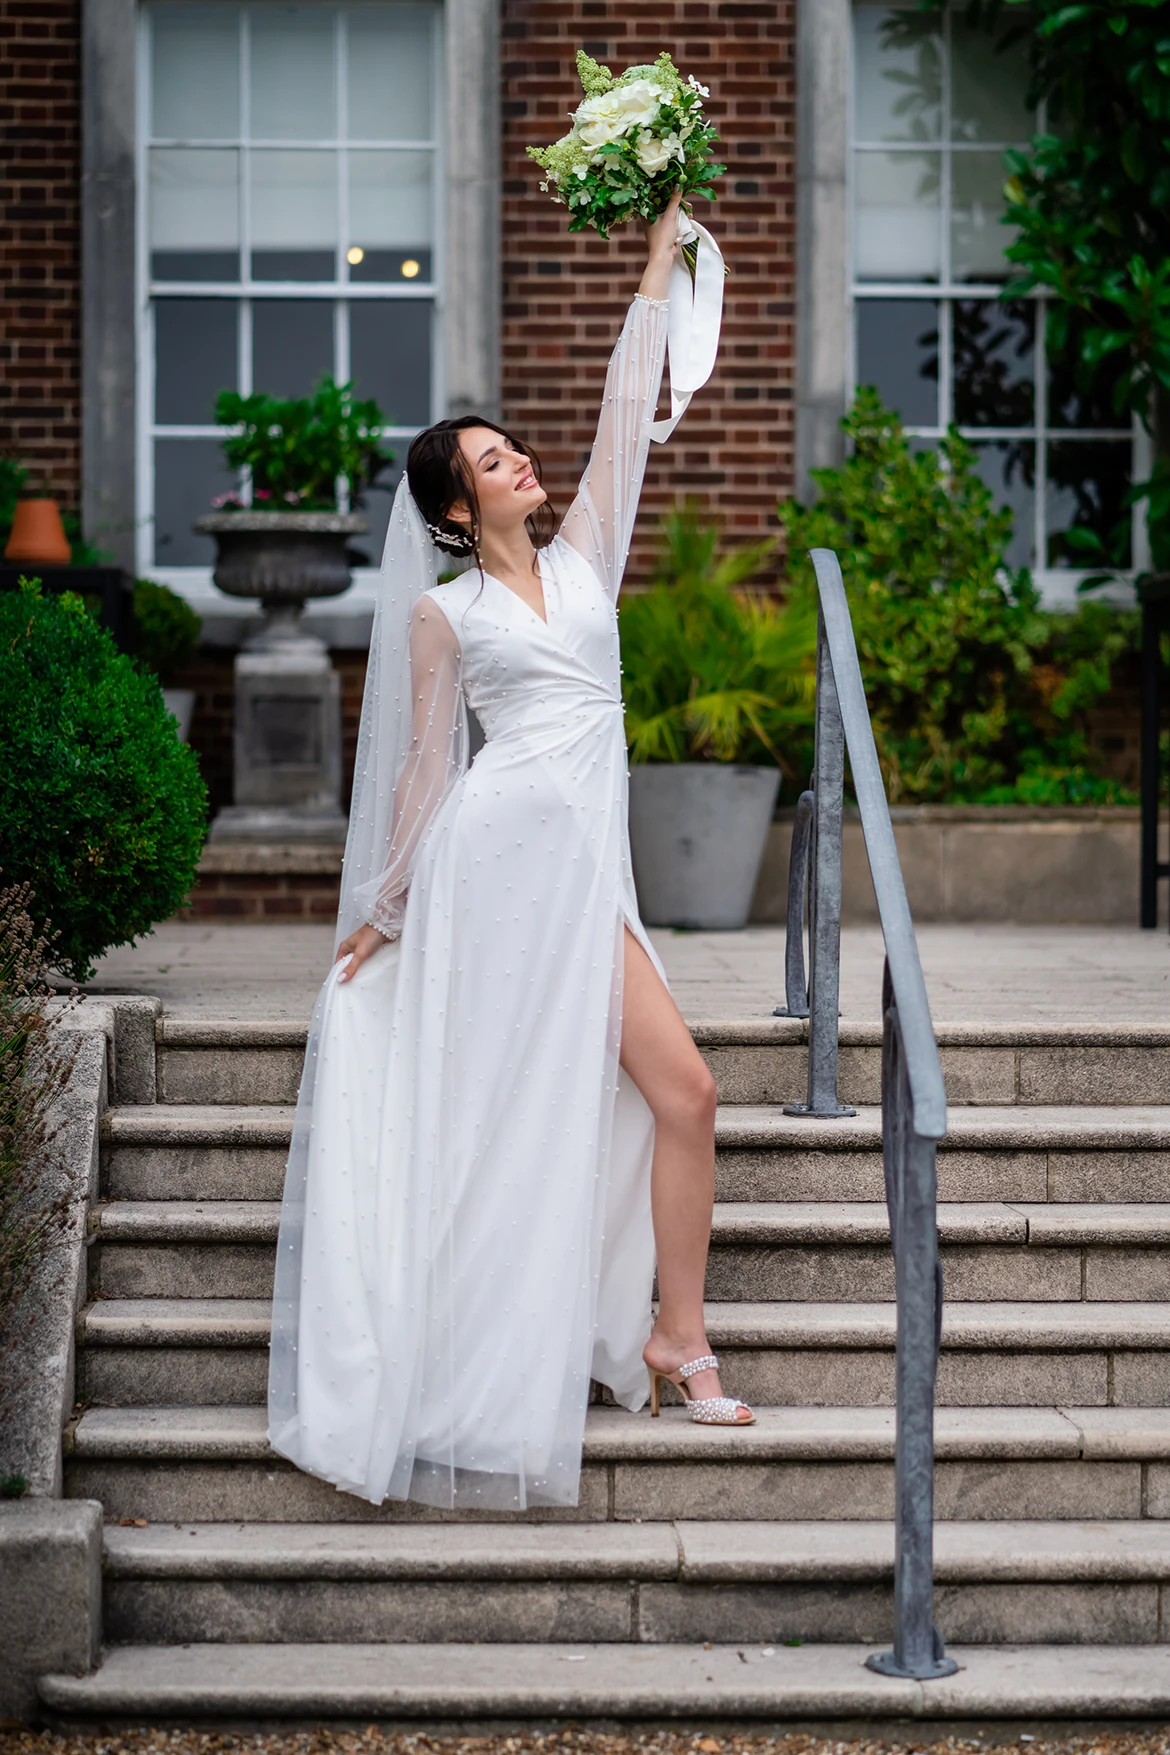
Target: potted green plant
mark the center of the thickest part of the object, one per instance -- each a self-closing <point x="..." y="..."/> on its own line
<point x="166" y="634"/>
<point x="719" y="688"/>
<point x="286" y="538"/>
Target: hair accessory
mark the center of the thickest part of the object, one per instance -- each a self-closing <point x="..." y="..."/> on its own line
<point x="451" y="538"/>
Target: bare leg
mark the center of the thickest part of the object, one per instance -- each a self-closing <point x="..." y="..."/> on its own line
<point x="661" y="1058"/>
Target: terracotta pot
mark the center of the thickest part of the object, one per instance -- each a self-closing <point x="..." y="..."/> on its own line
<point x="38" y="534"/>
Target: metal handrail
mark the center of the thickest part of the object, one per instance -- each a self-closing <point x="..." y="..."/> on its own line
<point x="914" y="1116"/>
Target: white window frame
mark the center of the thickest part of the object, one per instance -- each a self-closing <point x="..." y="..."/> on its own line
<point x="195" y="583"/>
<point x="1057" y="585"/>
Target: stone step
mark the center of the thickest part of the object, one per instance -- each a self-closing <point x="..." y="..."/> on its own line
<point x="820" y="1251"/>
<point x="1030" y="1154"/>
<point x="1012" y="1582"/>
<point x="776" y="1684"/>
<point x="214" y="1350"/>
<point x="213" y="1465"/>
<point x="761" y="1060"/>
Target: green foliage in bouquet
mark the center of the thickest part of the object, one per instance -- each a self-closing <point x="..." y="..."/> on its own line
<point x="977" y="694"/>
<point x="298" y="448"/>
<point x="635" y="142"/>
<point x="711" y="672"/>
<point x="102" y="810"/>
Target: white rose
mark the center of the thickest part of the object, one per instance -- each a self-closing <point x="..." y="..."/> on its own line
<point x="601" y="119"/>
<point x="654" y="154"/>
<point x="640" y="101"/>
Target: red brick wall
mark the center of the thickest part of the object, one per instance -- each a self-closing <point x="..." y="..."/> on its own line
<point x="40" y="241"/>
<point x="564" y="297"/>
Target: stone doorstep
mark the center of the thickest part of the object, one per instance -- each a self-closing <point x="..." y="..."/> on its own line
<point x="1054" y="1327"/>
<point x="686" y="1553"/>
<point x="838" y="1224"/>
<point x="1138" y="1127"/>
<point x="688" y="1682"/>
<point x="162" y="1435"/>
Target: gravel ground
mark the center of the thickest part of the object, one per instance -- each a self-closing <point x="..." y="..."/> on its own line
<point x="375" y="1740"/>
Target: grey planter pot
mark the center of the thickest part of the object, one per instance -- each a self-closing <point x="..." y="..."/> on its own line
<point x="283" y="558"/>
<point x="697" y="833"/>
<point x="181" y="702"/>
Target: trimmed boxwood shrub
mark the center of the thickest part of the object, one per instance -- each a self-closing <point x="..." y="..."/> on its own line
<point x="103" y="811"/>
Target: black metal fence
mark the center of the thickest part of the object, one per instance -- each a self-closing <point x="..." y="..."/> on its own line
<point x="913" y="1100"/>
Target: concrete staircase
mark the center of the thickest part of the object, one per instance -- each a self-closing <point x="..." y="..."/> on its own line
<point x="704" y="1571"/>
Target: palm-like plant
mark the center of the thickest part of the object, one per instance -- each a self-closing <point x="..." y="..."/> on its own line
<point x="712" y="672"/>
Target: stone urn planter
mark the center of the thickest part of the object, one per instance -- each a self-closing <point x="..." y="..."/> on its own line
<point x="283" y="558"/>
<point x="697" y="834"/>
<point x="287" y="770"/>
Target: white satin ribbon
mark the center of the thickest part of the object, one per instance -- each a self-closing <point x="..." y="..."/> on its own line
<point x="692" y="321"/>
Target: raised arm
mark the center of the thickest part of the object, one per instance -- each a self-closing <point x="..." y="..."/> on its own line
<point x="600" y="522"/>
<point x="435" y="760"/>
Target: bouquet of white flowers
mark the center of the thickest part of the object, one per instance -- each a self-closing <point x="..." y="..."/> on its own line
<point x="635" y="141"/>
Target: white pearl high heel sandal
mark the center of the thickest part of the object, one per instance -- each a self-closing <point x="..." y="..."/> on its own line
<point x="711" y="1410"/>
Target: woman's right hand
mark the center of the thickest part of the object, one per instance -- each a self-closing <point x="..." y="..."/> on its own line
<point x="357" y="947"/>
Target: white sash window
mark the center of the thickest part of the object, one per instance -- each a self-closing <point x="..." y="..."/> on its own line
<point x="934" y="107"/>
<point x="290" y="191"/>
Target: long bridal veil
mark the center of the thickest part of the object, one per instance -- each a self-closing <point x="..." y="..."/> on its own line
<point x="412" y="748"/>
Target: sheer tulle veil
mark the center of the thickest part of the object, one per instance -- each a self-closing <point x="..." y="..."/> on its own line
<point x="410" y="566"/>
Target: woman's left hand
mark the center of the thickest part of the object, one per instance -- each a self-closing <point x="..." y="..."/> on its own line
<point x="661" y="233"/>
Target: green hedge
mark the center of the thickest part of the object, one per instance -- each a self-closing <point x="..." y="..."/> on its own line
<point x="102" y="810"/>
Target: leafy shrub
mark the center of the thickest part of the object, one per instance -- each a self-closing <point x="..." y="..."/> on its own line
<point x="977" y="695"/>
<point x="711" y="672"/>
<point x="102" y="810"/>
<point x="296" y="448"/>
<point x="166" y="628"/>
<point x="35" y="1064"/>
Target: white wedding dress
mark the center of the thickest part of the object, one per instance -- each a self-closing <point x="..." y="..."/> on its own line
<point x="466" y="1236"/>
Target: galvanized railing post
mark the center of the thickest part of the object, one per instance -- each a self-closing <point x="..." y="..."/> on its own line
<point x="913" y="1095"/>
<point x="824" y="903"/>
<point x="909" y="1164"/>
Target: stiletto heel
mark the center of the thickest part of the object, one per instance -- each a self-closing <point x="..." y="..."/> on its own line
<point x="711" y="1410"/>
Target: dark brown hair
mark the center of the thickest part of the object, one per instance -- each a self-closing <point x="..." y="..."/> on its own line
<point x="440" y="477"/>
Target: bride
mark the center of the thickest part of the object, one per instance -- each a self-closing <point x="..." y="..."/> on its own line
<point x="503" y="1118"/>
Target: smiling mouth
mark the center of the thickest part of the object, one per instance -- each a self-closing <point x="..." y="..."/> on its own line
<point x="526" y="481"/>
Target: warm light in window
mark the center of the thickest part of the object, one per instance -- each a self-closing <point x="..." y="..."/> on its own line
<point x="355" y="255"/>
<point x="409" y="268"/>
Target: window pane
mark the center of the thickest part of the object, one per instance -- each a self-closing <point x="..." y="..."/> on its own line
<point x="292" y="73"/>
<point x="897" y="351"/>
<point x="987" y="88"/>
<point x="195" y="358"/>
<point x="897" y="234"/>
<point x="1008" y="466"/>
<point x="898" y="71"/>
<point x="294" y="215"/>
<point x="188" y="474"/>
<point x="1073" y="404"/>
<point x="195" y="89"/>
<point x="292" y="344"/>
<point x="390" y="357"/>
<point x="1087" y="482"/>
<point x="978" y="238"/>
<point x="194" y="214"/>
<point x="391" y="215"/>
<point x="390" y="72"/>
<point x="994" y="367"/>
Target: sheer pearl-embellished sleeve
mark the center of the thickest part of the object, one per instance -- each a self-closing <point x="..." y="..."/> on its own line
<point x="600" y="522"/>
<point x="435" y="760"/>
